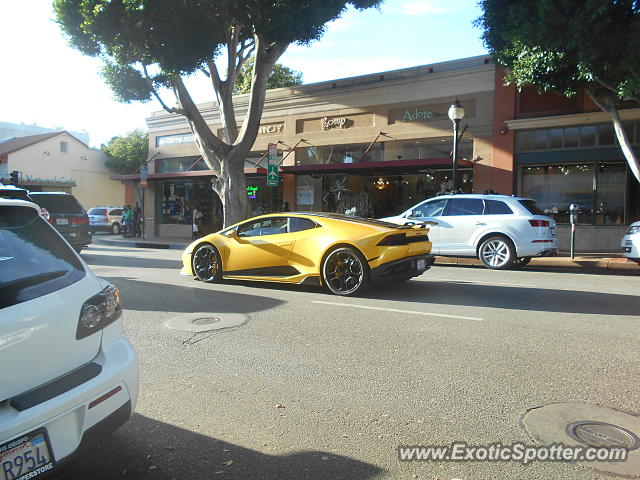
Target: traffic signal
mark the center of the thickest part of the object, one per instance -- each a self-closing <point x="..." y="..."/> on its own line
<point x="15" y="177"/>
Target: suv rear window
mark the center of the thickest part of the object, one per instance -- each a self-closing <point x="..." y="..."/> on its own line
<point x="496" y="207"/>
<point x="15" y="194"/>
<point x="97" y="211"/>
<point x="56" y="203"/>
<point x="531" y="206"/>
<point x="34" y="260"/>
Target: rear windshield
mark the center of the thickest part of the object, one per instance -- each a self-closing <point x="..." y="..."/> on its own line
<point x="15" y="194"/>
<point x="34" y="260"/>
<point x="97" y="211"/>
<point x="532" y="207"/>
<point x="58" y="203"/>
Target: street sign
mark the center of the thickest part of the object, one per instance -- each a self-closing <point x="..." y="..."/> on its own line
<point x="272" y="166"/>
<point x="144" y="172"/>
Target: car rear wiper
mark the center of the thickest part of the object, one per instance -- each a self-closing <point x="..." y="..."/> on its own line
<point x="31" y="280"/>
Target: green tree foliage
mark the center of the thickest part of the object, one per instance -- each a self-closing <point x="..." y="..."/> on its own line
<point x="149" y="46"/>
<point x="280" y="77"/>
<point x="569" y="46"/>
<point x="125" y="154"/>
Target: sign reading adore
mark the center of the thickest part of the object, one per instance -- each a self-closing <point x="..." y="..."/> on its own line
<point x="428" y="113"/>
<point x="415" y="114"/>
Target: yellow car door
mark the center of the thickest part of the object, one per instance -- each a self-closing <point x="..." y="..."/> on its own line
<point x="259" y="247"/>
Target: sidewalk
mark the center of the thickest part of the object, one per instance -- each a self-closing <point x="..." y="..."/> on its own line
<point x="585" y="262"/>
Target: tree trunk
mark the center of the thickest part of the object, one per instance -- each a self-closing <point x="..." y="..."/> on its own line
<point x="608" y="105"/>
<point x="231" y="187"/>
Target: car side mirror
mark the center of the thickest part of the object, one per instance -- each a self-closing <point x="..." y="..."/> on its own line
<point x="416" y="213"/>
<point x="233" y="233"/>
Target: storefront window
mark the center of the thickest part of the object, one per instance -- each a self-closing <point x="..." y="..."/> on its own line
<point x="263" y="199"/>
<point x="375" y="195"/>
<point x="180" y="164"/>
<point x="340" y="154"/>
<point x="611" y="180"/>
<point x="555" y="187"/>
<point x="179" y="198"/>
<point x="598" y="190"/>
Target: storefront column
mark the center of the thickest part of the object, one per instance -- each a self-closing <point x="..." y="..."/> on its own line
<point x="289" y="190"/>
<point x="501" y="173"/>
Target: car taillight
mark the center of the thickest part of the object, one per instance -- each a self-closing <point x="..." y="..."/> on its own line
<point x="105" y="219"/>
<point x="79" y="221"/>
<point x="392" y="240"/>
<point x="99" y="311"/>
<point x="539" y="223"/>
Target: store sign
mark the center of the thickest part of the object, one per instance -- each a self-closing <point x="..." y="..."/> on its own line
<point x="144" y="173"/>
<point x="252" y="191"/>
<point x="265" y="129"/>
<point x="328" y="123"/>
<point x="272" y="165"/>
<point x="413" y="115"/>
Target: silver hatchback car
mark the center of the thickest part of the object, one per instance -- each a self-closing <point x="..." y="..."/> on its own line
<point x="108" y="219"/>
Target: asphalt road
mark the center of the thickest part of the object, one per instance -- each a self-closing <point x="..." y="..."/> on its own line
<point x="315" y="386"/>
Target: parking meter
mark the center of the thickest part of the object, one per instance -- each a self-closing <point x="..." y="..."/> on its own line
<point x="573" y="218"/>
<point x="573" y="213"/>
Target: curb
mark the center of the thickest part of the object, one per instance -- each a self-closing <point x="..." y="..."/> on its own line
<point x="585" y="264"/>
<point x="124" y="243"/>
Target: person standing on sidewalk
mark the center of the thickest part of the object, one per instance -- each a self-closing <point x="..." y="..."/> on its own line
<point x="197" y="221"/>
<point x="128" y="222"/>
<point x="137" y="217"/>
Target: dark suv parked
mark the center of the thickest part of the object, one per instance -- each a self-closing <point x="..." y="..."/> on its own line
<point x="67" y="216"/>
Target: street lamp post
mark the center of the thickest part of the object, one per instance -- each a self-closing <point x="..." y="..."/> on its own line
<point x="456" y="113"/>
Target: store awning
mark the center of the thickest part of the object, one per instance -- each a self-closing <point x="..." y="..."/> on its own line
<point x="190" y="174"/>
<point x="362" y="167"/>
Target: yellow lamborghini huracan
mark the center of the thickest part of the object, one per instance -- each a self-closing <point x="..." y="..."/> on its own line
<point x="343" y="253"/>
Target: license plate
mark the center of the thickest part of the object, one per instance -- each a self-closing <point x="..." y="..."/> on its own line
<point x="29" y="454"/>
<point x="421" y="264"/>
<point x="62" y="221"/>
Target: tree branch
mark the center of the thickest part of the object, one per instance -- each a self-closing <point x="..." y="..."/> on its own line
<point x="210" y="145"/>
<point x="157" y="95"/>
<point x="266" y="58"/>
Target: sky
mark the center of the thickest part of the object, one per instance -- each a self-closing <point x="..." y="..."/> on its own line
<point x="45" y="82"/>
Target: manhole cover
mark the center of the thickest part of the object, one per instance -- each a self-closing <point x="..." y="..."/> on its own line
<point x="206" y="321"/>
<point x="600" y="434"/>
<point x="582" y="424"/>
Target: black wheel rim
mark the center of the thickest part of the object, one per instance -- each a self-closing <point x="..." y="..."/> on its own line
<point x="343" y="272"/>
<point x="205" y="263"/>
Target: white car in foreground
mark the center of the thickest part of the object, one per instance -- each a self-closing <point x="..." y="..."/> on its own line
<point x="69" y="376"/>
<point x="501" y="231"/>
<point x="631" y="243"/>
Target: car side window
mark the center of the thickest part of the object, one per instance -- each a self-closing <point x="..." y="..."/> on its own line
<point x="116" y="212"/>
<point x="265" y="226"/>
<point x="297" y="224"/>
<point x="496" y="207"/>
<point x="432" y="208"/>
<point x="464" y="206"/>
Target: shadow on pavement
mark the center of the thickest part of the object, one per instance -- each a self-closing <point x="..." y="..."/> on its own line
<point x="114" y="249"/>
<point x="158" y="297"/>
<point x="127" y="261"/>
<point x="146" y="448"/>
<point x="458" y="292"/>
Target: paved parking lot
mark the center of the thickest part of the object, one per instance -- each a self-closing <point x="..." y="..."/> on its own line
<point x="317" y="386"/>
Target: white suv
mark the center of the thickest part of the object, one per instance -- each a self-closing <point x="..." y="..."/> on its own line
<point x="501" y="231"/>
<point x="631" y="243"/>
<point x="69" y="376"/>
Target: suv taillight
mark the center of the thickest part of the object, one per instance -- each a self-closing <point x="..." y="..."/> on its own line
<point x="99" y="311"/>
<point x="79" y="221"/>
<point x="539" y="223"/>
